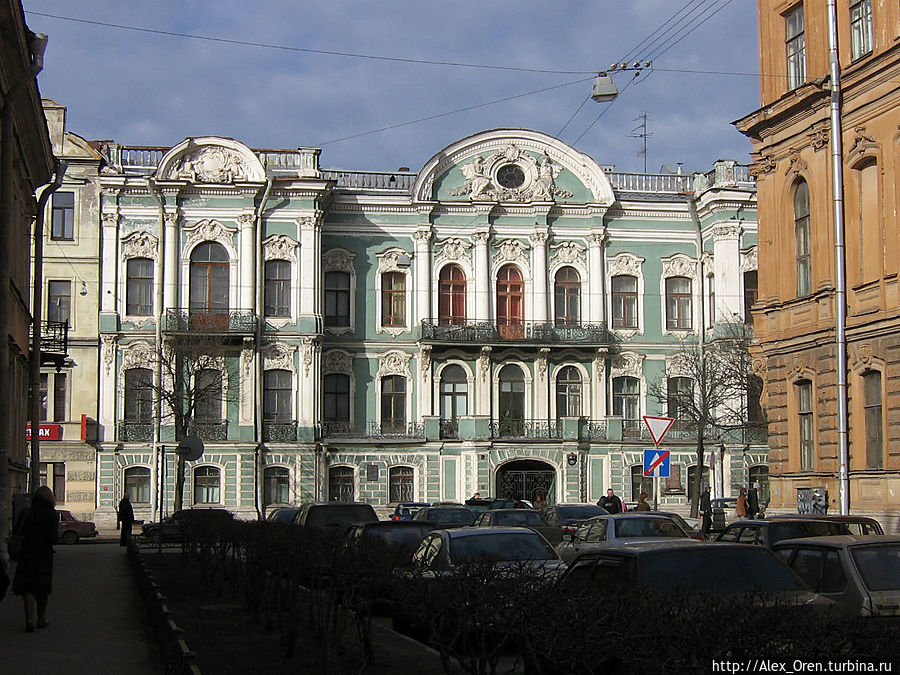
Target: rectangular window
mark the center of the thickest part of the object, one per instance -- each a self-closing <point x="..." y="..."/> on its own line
<point x="277" y="396"/>
<point x="751" y="292"/>
<point x="393" y="299"/>
<point x="711" y="318"/>
<point x="45" y="385"/>
<point x="337" y="299"/>
<point x="53" y="475"/>
<point x="805" y="414"/>
<point x="874" y="420"/>
<point x="139" y="287"/>
<point x="278" y="288"/>
<point x="678" y="303"/>
<point x="62" y="223"/>
<point x="860" y="28"/>
<point x="795" y="47"/>
<point x="59" y="397"/>
<point x="59" y="301"/>
<point x="624" y="301"/>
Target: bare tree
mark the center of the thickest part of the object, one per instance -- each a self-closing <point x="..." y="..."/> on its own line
<point x="719" y="393"/>
<point x="197" y="381"/>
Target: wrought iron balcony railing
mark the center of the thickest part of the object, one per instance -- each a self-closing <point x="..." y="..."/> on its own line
<point x="450" y="429"/>
<point x="279" y="432"/>
<point x="516" y="428"/>
<point x="211" y="430"/>
<point x="132" y="431"/>
<point x="345" y="429"/>
<point x="210" y="321"/>
<point x="486" y="332"/>
<point x="595" y="430"/>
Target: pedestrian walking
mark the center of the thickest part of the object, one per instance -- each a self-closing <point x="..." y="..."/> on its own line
<point x="126" y="519"/>
<point x="539" y="502"/>
<point x="643" y="504"/>
<point x="33" y="580"/>
<point x="753" y="502"/>
<point x="610" y="502"/>
<point x="740" y="510"/>
<point x="706" y="511"/>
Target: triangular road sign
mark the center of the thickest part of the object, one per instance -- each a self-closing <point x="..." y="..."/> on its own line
<point x="658" y="427"/>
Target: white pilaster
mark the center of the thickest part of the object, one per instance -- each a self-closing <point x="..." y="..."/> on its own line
<point x="247" y="263"/>
<point x="171" y="264"/>
<point x="110" y="262"/>
<point x="423" y="273"/>
<point x="727" y="268"/>
<point x="308" y="377"/>
<point x="425" y="392"/>
<point x="540" y="273"/>
<point x="482" y="275"/>
<point x="597" y="280"/>
<point x="311" y="265"/>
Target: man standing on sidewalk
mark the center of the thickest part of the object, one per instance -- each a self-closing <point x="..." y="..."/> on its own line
<point x="610" y="502"/>
<point x="126" y="518"/>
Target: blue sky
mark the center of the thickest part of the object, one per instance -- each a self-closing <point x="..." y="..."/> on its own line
<point x="141" y="88"/>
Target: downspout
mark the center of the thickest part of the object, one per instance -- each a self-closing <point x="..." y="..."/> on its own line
<point x="260" y="320"/>
<point x="37" y="44"/>
<point x="840" y="262"/>
<point x="701" y="344"/>
<point x="158" y="471"/>
<point x="36" y="312"/>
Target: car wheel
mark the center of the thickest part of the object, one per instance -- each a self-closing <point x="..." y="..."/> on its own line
<point x="69" y="537"/>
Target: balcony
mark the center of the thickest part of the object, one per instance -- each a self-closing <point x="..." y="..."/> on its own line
<point x="279" y="432"/>
<point x="450" y="429"/>
<point x="210" y="321"/>
<point x="536" y="429"/>
<point x="211" y="430"/>
<point x="483" y="333"/>
<point x="54" y="342"/>
<point x="130" y="431"/>
<point x="372" y="430"/>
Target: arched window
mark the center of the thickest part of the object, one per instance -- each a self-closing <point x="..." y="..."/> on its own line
<point x="512" y="401"/>
<point x="568" y="297"/>
<point x="276" y="485"/>
<point x="277" y="396"/>
<point x="874" y="419"/>
<point x="510" y="303"/>
<point x="454" y="399"/>
<point x="760" y="474"/>
<point x="137" y="484"/>
<point x="624" y="301"/>
<point x="340" y="484"/>
<point x="209" y="279"/>
<point x="337" y="299"/>
<point x="207" y="480"/>
<point x="278" y="288"/>
<point x="400" y="481"/>
<point x="568" y="393"/>
<point x="452" y="296"/>
<point x="802" y="240"/>
<point x="139" y="287"/>
<point x="678" y="303"/>
<point x="393" y="404"/>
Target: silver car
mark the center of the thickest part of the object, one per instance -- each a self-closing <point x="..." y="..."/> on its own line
<point x="620" y="528"/>
<point x="860" y="573"/>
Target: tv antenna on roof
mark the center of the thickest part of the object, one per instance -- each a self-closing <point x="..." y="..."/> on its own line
<point x="642" y="134"/>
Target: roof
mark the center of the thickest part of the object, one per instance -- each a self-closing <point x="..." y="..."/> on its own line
<point x="650" y="548"/>
<point x="842" y="540"/>
<point x="492" y="531"/>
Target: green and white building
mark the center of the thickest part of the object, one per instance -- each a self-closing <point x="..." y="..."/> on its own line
<point x="490" y="323"/>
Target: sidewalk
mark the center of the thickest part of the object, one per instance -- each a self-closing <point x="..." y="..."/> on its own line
<point x="95" y="616"/>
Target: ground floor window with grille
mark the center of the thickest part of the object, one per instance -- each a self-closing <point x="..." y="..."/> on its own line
<point x="639" y="482"/>
<point x="692" y="476"/>
<point x="206" y="485"/>
<point x="277" y="486"/>
<point x="340" y="484"/>
<point x="401" y="484"/>
<point x="137" y="484"/>
<point x="53" y="475"/>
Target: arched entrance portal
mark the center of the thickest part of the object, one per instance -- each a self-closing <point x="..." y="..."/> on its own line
<point x="525" y="479"/>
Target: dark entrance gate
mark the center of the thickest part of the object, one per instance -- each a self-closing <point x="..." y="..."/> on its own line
<point x="525" y="479"/>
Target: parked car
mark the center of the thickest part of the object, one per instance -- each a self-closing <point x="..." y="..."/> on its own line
<point x="172" y="528"/>
<point x="568" y="517"/>
<point x="402" y="536"/>
<point x="407" y="510"/>
<point x="689" y="525"/>
<point x="283" y="515"/>
<point x="71" y="529"/>
<point x="860" y="573"/>
<point x="688" y="567"/>
<point x="519" y="518"/>
<point x="768" y="532"/>
<point x="856" y="524"/>
<point x="479" y="504"/>
<point x="619" y="528"/>
<point x="333" y="517"/>
<point x="445" y="517"/>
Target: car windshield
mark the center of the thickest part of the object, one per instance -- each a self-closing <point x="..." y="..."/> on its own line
<point x="463" y="516"/>
<point x="410" y="510"/>
<point x="879" y="566"/>
<point x="723" y="570"/>
<point x="330" y="516"/>
<point x="504" y="546"/>
<point x="406" y="538"/>
<point x="631" y="527"/>
<point x="520" y="517"/>
<point x="797" y="530"/>
<point x="568" y="513"/>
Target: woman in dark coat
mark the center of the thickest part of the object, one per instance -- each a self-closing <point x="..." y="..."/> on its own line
<point x="34" y="571"/>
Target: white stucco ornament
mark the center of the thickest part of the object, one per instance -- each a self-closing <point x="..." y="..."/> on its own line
<point x="337" y="361"/>
<point x="280" y="247"/>
<point x="139" y="245"/>
<point x="211" y="160"/>
<point x="530" y="179"/>
<point x="394" y="363"/>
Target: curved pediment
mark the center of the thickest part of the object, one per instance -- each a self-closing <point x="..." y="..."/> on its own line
<point x="512" y="166"/>
<point x="211" y="160"/>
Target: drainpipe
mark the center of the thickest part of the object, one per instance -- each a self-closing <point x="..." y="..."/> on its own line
<point x="260" y="319"/>
<point x="36" y="311"/>
<point x="37" y="44"/>
<point x="840" y="263"/>
<point x="158" y="463"/>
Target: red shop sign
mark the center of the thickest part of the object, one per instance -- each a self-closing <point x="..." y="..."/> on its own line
<point x="46" y="432"/>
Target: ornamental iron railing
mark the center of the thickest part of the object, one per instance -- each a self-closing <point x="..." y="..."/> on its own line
<point x="482" y="332"/>
<point x="595" y="430"/>
<point x="279" y="432"/>
<point x="450" y="429"/>
<point x="346" y="429"/>
<point x="132" y="431"/>
<point x="521" y="428"/>
<point x="210" y="321"/>
<point x="211" y="430"/>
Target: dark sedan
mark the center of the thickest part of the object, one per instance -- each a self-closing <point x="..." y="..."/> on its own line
<point x="569" y="517"/>
<point x="446" y="517"/>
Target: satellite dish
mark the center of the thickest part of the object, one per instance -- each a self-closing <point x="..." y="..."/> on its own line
<point x="190" y="448"/>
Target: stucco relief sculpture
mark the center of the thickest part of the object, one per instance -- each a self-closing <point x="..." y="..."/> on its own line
<point x="452" y="250"/>
<point x="139" y="245"/>
<point x="338" y="260"/>
<point x="210" y="230"/>
<point x="511" y="250"/>
<point x="279" y="356"/>
<point x="336" y="361"/>
<point x="209" y="164"/>
<point x="568" y="252"/>
<point x="626" y="264"/>
<point x="108" y="341"/>
<point x="394" y="363"/>
<point x="679" y="266"/>
<point x="627" y="364"/>
<point x="538" y="182"/>
<point x="280" y="247"/>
